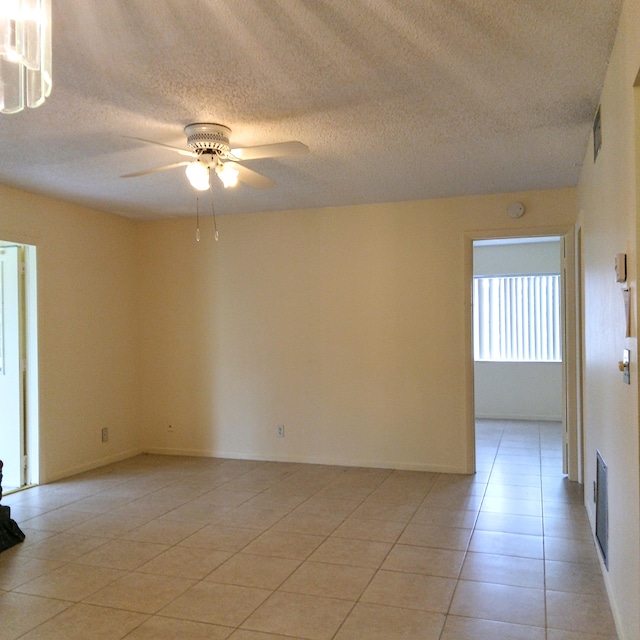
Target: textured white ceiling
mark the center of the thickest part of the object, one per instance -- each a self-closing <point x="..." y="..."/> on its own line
<point x="397" y="99"/>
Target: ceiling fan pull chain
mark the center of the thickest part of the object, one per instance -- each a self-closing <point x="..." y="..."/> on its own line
<point x="197" y="220"/>
<point x="213" y="213"/>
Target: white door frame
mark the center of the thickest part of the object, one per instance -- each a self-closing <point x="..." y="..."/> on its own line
<point x="570" y="346"/>
<point x="29" y="350"/>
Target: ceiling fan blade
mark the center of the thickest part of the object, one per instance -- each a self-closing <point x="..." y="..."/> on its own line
<point x="251" y="177"/>
<point x="144" y="172"/>
<point x="184" y="152"/>
<point x="276" y="150"/>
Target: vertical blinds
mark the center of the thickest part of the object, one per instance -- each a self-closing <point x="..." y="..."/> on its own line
<point x="517" y="318"/>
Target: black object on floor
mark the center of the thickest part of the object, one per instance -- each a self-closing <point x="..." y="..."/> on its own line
<point x="10" y="533"/>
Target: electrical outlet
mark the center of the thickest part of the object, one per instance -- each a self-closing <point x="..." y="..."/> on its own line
<point x="105" y="434"/>
<point x="280" y="431"/>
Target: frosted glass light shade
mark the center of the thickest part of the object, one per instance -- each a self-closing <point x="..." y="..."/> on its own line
<point x="228" y="175"/>
<point x="25" y="54"/>
<point x="198" y="175"/>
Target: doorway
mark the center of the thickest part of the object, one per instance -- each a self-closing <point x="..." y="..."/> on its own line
<point x="18" y="366"/>
<point x="541" y="392"/>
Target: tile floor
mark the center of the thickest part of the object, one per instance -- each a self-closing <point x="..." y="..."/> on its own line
<point x="158" y="548"/>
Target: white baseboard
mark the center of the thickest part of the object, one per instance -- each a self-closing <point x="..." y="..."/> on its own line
<point x="376" y="464"/>
<point x="527" y="418"/>
<point x="88" y="466"/>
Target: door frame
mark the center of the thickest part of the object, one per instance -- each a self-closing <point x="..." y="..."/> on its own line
<point x="30" y="472"/>
<point x="570" y="346"/>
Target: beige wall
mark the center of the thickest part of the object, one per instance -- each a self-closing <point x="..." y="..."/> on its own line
<point x="608" y="206"/>
<point x="346" y="325"/>
<point x="87" y="329"/>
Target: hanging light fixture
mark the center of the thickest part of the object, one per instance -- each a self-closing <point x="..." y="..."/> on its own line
<point x="25" y="54"/>
<point x="227" y="174"/>
<point x="198" y="175"/>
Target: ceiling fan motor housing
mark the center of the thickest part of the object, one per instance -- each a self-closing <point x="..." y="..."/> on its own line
<point x="208" y="138"/>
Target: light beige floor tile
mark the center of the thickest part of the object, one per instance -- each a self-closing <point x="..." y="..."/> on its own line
<point x="563" y="509"/>
<point x="442" y="517"/>
<point x="560" y="489"/>
<point x="221" y="538"/>
<point x="499" y="602"/>
<point x="575" y="577"/>
<point x="515" y="479"/>
<point x="159" y="628"/>
<point x="142" y="592"/>
<point x="376" y="622"/>
<point x="63" y="547"/>
<point x="509" y="523"/>
<point x="466" y="503"/>
<point x="298" y="615"/>
<point x="295" y="546"/>
<point x="225" y="498"/>
<point x="71" y="582"/>
<point x="513" y="506"/>
<point x="108" y="525"/>
<point x="99" y="503"/>
<point x="343" y="492"/>
<point x="410" y="591"/>
<point x="429" y="561"/>
<point x="263" y="572"/>
<point x="251" y="518"/>
<point x="508" y="544"/>
<point x="323" y="505"/>
<point x="194" y="512"/>
<point x="436" y="536"/>
<point x="566" y="550"/>
<point x="60" y="520"/>
<point x="163" y="531"/>
<point x="376" y="530"/>
<point x="20" y="612"/>
<point x="457" y="628"/>
<point x="357" y="553"/>
<point x="305" y="522"/>
<point x="329" y="580"/>
<point x="82" y="621"/>
<point x="573" y="528"/>
<point x="122" y="554"/>
<point x="372" y="509"/>
<point x="584" y="613"/>
<point x="17" y="570"/>
<point x="214" y="603"/>
<point x="244" y="634"/>
<point x="558" y="634"/>
<point x="509" y="570"/>
<point x="185" y="562"/>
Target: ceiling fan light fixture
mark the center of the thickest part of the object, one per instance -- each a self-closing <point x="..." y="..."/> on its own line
<point x="228" y="175"/>
<point x="198" y="175"/>
<point x="25" y="54"/>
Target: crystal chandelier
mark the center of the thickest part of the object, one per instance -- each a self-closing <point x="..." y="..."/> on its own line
<point x="25" y="54"/>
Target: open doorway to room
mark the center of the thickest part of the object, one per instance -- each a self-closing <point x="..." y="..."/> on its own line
<point x="520" y="373"/>
<point x="18" y="366"/>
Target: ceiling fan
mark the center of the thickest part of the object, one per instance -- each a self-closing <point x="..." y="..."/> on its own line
<point x="210" y="150"/>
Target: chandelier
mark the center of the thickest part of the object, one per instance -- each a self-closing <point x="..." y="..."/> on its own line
<point x="25" y="54"/>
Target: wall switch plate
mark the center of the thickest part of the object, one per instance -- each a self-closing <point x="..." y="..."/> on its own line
<point x="626" y="359"/>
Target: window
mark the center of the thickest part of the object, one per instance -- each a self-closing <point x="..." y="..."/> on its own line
<point x="517" y="318"/>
